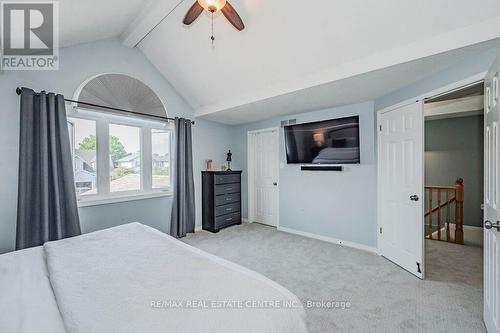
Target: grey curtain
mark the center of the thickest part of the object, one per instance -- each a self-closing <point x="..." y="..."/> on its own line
<point x="183" y="209"/>
<point x="46" y="208"/>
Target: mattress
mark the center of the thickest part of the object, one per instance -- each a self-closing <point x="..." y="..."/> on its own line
<point x="133" y="278"/>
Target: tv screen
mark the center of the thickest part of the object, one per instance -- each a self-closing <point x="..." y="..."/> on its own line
<point x="334" y="141"/>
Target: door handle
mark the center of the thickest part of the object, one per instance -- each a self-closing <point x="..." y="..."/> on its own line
<point x="275" y="183"/>
<point x="414" y="197"/>
<point x="489" y="225"/>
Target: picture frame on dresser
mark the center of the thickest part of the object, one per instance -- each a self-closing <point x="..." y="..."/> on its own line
<point x="221" y="199"/>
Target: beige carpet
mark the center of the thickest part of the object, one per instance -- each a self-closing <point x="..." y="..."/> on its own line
<point x="383" y="297"/>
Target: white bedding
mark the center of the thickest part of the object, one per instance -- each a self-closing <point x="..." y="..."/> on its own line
<point x="27" y="303"/>
<point x="107" y="281"/>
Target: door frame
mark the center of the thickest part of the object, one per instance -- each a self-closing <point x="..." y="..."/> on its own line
<point x="421" y="97"/>
<point x="251" y="176"/>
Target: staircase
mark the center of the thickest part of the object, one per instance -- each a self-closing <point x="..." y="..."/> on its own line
<point x="444" y="205"/>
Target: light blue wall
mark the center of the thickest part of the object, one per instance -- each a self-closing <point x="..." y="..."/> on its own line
<point x="341" y="205"/>
<point x="473" y="65"/>
<point x="210" y="140"/>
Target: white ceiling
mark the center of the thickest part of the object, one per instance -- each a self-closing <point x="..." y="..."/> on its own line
<point x="355" y="89"/>
<point x="455" y="108"/>
<point x="465" y="102"/>
<point x="289" y="46"/>
<point x="83" y="21"/>
<point x="293" y="56"/>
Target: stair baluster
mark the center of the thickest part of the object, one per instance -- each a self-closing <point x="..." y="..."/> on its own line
<point x="453" y="195"/>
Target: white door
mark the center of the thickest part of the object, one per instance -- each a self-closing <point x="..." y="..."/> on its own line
<point x="264" y="168"/>
<point x="401" y="168"/>
<point x="492" y="203"/>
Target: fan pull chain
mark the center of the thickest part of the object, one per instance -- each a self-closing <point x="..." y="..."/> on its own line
<point x="212" y="37"/>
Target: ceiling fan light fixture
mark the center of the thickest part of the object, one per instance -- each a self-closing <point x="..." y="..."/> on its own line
<point x="212" y="5"/>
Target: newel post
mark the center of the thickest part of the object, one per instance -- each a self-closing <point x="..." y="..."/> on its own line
<point x="459" y="211"/>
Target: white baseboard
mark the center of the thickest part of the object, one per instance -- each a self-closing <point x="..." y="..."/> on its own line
<point x="330" y="240"/>
<point x="245" y="220"/>
<point x="472" y="235"/>
<point x="470" y="227"/>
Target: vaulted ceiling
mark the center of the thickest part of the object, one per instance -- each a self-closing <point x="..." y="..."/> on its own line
<point x="298" y="55"/>
<point x="82" y="21"/>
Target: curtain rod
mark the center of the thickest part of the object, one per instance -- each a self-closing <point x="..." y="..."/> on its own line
<point x="18" y="91"/>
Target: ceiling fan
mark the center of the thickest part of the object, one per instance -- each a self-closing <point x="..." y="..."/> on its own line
<point x="213" y="6"/>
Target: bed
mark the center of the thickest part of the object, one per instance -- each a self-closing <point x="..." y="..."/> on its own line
<point x="133" y="278"/>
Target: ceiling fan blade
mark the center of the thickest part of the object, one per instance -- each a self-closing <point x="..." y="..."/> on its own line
<point x="193" y="13"/>
<point x="232" y="16"/>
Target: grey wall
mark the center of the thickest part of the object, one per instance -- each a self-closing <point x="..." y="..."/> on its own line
<point x="454" y="148"/>
<point x="77" y="64"/>
<point x="340" y="205"/>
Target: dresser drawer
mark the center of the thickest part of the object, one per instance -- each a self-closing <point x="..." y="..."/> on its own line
<point x="227" y="188"/>
<point x="227" y="179"/>
<point x="227" y="219"/>
<point x="221" y="199"/>
<point x="227" y="209"/>
<point x="226" y="199"/>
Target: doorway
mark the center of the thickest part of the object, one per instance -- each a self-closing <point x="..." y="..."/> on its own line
<point x="454" y="186"/>
<point x="263" y="174"/>
<point x="403" y="198"/>
<point x="393" y="133"/>
<point x="454" y="166"/>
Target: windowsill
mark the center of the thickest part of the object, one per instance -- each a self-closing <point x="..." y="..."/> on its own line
<point x="87" y="202"/>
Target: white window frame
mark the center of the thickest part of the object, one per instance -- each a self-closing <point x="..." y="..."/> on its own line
<point x="102" y="120"/>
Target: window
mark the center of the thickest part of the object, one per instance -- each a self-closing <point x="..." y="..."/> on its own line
<point x="117" y="158"/>
<point x="125" y="155"/>
<point x="160" y="140"/>
<point x="83" y="147"/>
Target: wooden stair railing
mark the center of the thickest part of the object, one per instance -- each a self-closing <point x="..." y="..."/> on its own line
<point x="453" y="195"/>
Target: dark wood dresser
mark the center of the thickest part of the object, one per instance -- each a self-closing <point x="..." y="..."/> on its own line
<point x="221" y="202"/>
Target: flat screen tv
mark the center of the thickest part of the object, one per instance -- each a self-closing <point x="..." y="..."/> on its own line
<point x="334" y="141"/>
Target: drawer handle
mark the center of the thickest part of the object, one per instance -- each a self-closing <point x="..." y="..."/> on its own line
<point x="229" y="189"/>
<point x="229" y="199"/>
<point x="229" y="219"/>
<point x="229" y="209"/>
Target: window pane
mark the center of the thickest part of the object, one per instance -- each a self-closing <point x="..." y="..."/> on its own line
<point x="160" y="140"/>
<point x="125" y="158"/>
<point x="82" y="135"/>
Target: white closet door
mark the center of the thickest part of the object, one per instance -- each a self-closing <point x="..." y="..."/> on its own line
<point x="265" y="166"/>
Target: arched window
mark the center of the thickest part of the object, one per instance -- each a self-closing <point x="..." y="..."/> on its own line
<point x="118" y="156"/>
<point x="121" y="92"/>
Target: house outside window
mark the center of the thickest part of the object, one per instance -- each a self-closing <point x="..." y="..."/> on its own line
<point x="117" y="157"/>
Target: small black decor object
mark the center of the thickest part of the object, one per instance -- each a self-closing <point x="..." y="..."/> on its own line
<point x="229" y="160"/>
